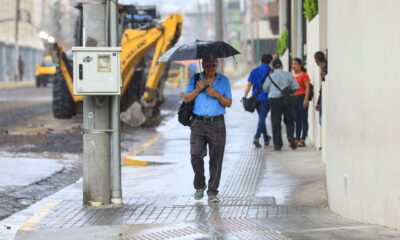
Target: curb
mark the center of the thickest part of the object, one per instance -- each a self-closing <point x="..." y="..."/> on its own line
<point x="130" y="162"/>
<point x="15" y="85"/>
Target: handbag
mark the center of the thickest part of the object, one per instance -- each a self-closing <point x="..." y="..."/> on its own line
<point x="250" y="104"/>
<point x="287" y="93"/>
<point x="185" y="111"/>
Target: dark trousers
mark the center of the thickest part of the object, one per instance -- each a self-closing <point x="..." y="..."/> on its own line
<point x="301" y="118"/>
<point x="213" y="134"/>
<point x="279" y="108"/>
<point x="262" y="110"/>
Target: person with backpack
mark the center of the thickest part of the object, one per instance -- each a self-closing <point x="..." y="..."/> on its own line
<point x="256" y="79"/>
<point x="280" y="86"/>
<point x="211" y="93"/>
<point x="302" y="101"/>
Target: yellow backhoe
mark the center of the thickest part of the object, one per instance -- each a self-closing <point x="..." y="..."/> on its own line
<point x="139" y="46"/>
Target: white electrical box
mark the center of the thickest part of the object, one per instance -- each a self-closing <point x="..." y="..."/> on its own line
<point x="97" y="71"/>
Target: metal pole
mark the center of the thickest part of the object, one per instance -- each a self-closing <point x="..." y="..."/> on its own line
<point x="116" y="190"/>
<point x="17" y="40"/>
<point x="289" y="28"/>
<point x="96" y="115"/>
<point x="300" y="29"/>
<point x="219" y="28"/>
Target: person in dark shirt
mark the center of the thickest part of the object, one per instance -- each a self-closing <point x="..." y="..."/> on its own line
<point x="255" y="80"/>
<point x="322" y="62"/>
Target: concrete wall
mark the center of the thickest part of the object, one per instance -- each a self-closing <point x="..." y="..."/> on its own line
<point x="363" y="127"/>
<point x="313" y="45"/>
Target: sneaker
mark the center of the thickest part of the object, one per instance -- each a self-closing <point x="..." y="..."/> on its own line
<point x="199" y="194"/>
<point x="213" y="198"/>
<point x="256" y="142"/>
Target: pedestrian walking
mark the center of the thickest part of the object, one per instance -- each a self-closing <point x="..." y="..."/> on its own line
<point x="211" y="94"/>
<point x="302" y="100"/>
<point x="21" y="68"/>
<point x="280" y="86"/>
<point x="255" y="81"/>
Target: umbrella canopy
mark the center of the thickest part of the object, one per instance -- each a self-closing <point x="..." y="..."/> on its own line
<point x="198" y="50"/>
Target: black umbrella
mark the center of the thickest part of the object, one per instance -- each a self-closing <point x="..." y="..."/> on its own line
<point x="198" y="50"/>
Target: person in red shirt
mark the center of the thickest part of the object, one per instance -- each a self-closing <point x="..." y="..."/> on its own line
<point x="302" y="95"/>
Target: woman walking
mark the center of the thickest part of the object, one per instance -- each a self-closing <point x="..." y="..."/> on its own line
<point x="302" y="95"/>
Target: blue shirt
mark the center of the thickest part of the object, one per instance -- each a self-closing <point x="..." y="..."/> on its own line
<point x="205" y="105"/>
<point x="256" y="78"/>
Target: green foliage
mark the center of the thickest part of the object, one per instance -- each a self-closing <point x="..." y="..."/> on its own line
<point x="283" y="42"/>
<point x="310" y="9"/>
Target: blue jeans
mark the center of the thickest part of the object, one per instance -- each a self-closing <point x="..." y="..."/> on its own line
<point x="301" y="118"/>
<point x="262" y="110"/>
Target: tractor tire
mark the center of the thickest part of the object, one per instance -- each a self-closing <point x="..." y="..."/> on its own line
<point x="63" y="105"/>
<point x="135" y="89"/>
<point x="37" y="80"/>
<point x="45" y="80"/>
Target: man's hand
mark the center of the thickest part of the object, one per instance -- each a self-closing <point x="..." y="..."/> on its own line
<point x="212" y="92"/>
<point x="200" y="86"/>
<point x="305" y="104"/>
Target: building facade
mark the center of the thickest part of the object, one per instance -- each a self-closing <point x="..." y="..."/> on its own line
<point x="56" y="17"/>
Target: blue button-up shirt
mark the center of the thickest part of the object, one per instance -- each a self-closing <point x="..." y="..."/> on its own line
<point x="256" y="78"/>
<point x="205" y="105"/>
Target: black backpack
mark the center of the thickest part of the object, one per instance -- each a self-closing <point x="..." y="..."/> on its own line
<point x="185" y="111"/>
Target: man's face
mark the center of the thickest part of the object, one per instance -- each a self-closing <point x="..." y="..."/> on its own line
<point x="320" y="64"/>
<point x="210" y="66"/>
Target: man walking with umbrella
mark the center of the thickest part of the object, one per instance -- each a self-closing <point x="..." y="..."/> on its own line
<point x="210" y="92"/>
<point x="211" y="95"/>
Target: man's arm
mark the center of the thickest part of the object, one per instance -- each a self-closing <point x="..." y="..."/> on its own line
<point x="189" y="97"/>
<point x="294" y="85"/>
<point x="223" y="100"/>
<point x="247" y="89"/>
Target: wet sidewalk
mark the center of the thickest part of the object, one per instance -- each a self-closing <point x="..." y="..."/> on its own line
<point x="264" y="195"/>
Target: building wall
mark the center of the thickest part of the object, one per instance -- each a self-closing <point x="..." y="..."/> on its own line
<point x="313" y="45"/>
<point x="362" y="140"/>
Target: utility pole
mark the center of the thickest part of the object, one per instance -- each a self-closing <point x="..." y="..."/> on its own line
<point x="17" y="16"/>
<point x="96" y="116"/>
<point x="219" y="27"/>
<point x="115" y="157"/>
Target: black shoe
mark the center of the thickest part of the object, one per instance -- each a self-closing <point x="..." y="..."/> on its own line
<point x="293" y="144"/>
<point x="256" y="142"/>
<point x="277" y="149"/>
<point x="266" y="141"/>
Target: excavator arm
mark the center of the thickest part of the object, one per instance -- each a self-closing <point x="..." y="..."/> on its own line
<point x="172" y="27"/>
<point x="136" y="43"/>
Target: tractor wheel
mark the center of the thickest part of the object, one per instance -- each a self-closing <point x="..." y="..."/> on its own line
<point x="63" y="105"/>
<point x="37" y="79"/>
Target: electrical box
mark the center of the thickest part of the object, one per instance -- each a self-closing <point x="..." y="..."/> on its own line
<point x="97" y="71"/>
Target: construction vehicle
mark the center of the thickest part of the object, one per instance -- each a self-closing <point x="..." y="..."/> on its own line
<point x="45" y="71"/>
<point x="150" y="39"/>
